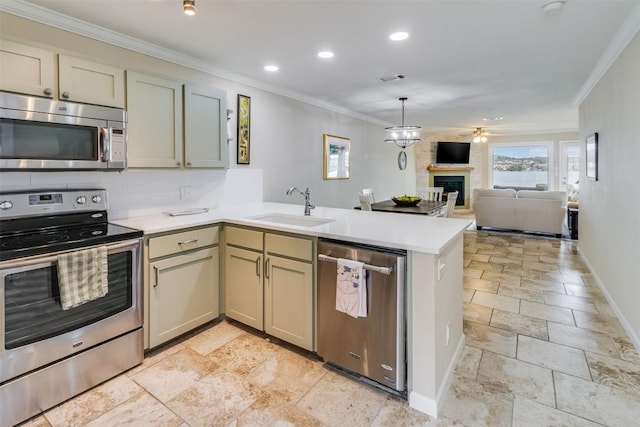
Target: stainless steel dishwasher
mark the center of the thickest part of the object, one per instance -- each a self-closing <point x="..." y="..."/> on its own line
<point x="372" y="346"/>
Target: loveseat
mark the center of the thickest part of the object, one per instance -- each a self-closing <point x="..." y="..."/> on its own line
<point x="524" y="210"/>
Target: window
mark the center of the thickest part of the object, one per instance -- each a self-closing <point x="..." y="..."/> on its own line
<point x="522" y="165"/>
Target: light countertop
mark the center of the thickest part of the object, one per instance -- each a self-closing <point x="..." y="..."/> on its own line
<point x="419" y="233"/>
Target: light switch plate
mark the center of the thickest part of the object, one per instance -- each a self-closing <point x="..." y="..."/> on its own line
<point x="186" y="193"/>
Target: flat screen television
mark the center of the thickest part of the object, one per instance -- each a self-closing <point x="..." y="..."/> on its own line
<point x="453" y="152"/>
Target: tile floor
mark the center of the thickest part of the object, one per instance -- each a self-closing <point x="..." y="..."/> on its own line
<point x="543" y="348"/>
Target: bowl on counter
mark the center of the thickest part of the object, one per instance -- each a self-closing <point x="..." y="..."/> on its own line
<point x="406" y="200"/>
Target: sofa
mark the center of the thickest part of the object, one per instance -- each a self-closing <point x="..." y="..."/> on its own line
<point x="523" y="210"/>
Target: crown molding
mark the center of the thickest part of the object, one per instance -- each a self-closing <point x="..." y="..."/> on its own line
<point x="76" y="26"/>
<point x="623" y="37"/>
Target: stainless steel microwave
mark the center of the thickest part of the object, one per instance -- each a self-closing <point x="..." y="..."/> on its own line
<point x="44" y="134"/>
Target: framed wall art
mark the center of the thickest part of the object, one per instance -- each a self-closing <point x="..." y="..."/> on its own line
<point x="592" y="156"/>
<point x="336" y="157"/>
<point x="244" y="129"/>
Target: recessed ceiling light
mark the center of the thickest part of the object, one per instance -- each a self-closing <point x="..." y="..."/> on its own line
<point x="493" y="119"/>
<point x="325" y="54"/>
<point x="552" y="7"/>
<point x="401" y="35"/>
<point x="271" y="68"/>
<point x="189" y="7"/>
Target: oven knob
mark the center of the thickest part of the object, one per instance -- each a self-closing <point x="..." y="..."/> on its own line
<point x="5" y="204"/>
<point x="96" y="199"/>
<point x="81" y="200"/>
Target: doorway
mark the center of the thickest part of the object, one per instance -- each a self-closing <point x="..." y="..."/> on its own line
<point x="570" y="168"/>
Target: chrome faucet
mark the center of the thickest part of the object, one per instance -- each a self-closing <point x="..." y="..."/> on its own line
<point x="307" y="199"/>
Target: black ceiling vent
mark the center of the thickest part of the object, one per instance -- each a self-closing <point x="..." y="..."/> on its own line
<point x="392" y="78"/>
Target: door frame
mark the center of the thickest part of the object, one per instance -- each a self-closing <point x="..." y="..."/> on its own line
<point x="562" y="161"/>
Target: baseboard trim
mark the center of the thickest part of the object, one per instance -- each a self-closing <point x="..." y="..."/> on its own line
<point x="635" y="340"/>
<point x="430" y="406"/>
<point x="422" y="403"/>
<point x="444" y="386"/>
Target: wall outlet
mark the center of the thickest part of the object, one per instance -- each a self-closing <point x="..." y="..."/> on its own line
<point x="447" y="332"/>
<point x="186" y="193"/>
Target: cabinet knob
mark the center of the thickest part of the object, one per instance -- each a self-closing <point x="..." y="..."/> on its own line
<point x="48" y="91"/>
<point x="188" y="163"/>
<point x="65" y="95"/>
<point x="177" y="163"/>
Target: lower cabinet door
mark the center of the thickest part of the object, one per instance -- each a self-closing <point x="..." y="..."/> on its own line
<point x="243" y="286"/>
<point x="289" y="301"/>
<point x="184" y="294"/>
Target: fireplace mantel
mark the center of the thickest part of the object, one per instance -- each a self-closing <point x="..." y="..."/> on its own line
<point x="449" y="168"/>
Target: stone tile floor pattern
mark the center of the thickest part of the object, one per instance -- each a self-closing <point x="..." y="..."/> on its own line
<point x="543" y="348"/>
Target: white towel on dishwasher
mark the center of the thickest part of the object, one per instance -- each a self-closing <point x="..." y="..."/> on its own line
<point x="351" y="288"/>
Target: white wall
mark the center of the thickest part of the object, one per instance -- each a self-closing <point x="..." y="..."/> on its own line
<point x="609" y="221"/>
<point x="286" y="143"/>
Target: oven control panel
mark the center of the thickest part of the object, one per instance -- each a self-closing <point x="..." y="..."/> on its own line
<point x="45" y="199"/>
<point x="21" y="204"/>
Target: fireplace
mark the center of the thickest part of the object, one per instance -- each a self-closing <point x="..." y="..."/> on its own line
<point x="451" y="183"/>
<point x="453" y="178"/>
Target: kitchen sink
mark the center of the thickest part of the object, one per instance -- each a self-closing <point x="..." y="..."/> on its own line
<point x="297" y="220"/>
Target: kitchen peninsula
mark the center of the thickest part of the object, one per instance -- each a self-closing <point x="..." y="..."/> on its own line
<point x="434" y="273"/>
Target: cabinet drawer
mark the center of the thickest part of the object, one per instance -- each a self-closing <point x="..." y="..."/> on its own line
<point x="250" y="239"/>
<point x="289" y="246"/>
<point x="183" y="241"/>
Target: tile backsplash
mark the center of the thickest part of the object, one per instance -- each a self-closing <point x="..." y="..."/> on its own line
<point x="142" y="192"/>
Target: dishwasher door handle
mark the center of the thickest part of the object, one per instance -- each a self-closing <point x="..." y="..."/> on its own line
<point x="383" y="270"/>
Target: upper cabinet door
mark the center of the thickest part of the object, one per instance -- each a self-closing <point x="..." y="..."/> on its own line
<point x="155" y="121"/>
<point x="205" y="131"/>
<point x="26" y="69"/>
<point x="89" y="82"/>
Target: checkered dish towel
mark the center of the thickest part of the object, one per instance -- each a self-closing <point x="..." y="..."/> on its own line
<point x="82" y="276"/>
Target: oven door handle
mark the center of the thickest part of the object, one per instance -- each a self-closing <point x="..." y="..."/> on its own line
<point x="54" y="258"/>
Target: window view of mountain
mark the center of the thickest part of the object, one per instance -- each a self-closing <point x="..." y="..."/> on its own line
<point x="516" y="164"/>
<point x="520" y="166"/>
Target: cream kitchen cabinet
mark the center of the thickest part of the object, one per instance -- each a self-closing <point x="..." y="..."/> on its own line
<point x="205" y="127"/>
<point x="154" y="106"/>
<point x="243" y="284"/>
<point x="289" y="290"/>
<point x="269" y="283"/>
<point x="89" y="82"/>
<point x="32" y="71"/>
<point x="26" y="69"/>
<point x="182" y="283"/>
<point x="172" y="125"/>
<point x="243" y="291"/>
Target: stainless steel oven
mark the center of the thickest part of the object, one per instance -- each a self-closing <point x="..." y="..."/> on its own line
<point x="39" y="133"/>
<point x="49" y="354"/>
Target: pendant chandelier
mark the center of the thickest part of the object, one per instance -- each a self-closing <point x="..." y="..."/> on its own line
<point x="479" y="135"/>
<point x="403" y="136"/>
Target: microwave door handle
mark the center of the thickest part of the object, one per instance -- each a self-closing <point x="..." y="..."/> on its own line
<point x="104" y="144"/>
